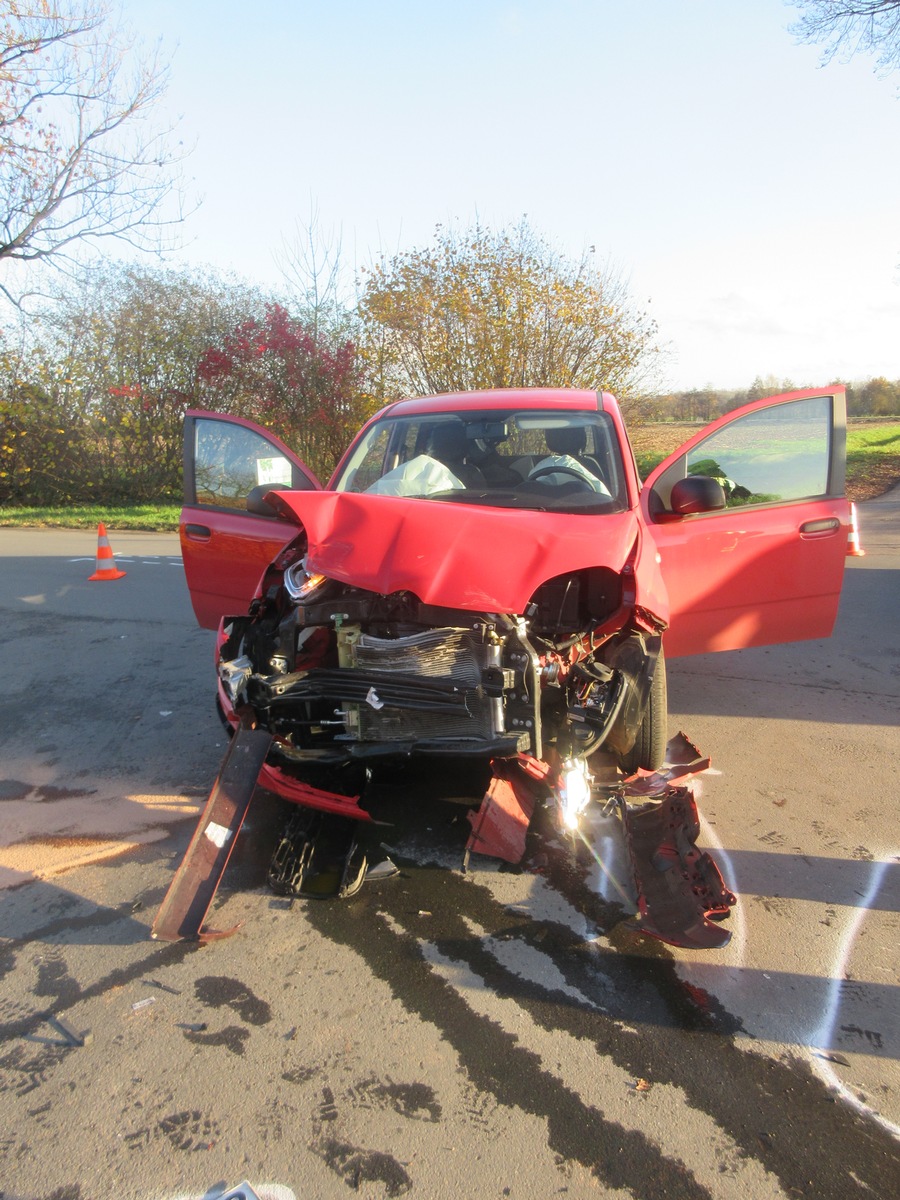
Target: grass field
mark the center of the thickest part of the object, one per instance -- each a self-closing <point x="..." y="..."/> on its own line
<point x="873" y="468"/>
<point x="873" y="460"/>
<point x="88" y="516"/>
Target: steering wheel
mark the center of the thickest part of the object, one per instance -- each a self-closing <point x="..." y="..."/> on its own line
<point x="570" y="471"/>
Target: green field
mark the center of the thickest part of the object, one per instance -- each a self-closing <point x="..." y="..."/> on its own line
<point x="873" y="453"/>
<point x="873" y="460"/>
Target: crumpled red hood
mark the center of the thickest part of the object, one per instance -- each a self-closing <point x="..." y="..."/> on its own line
<point x="454" y="555"/>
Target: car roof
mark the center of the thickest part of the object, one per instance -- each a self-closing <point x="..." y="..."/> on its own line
<point x="570" y="399"/>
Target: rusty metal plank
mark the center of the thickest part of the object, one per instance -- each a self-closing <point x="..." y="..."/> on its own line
<point x="183" y="911"/>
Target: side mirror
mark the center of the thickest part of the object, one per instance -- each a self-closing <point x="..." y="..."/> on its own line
<point x="697" y="494"/>
<point x="256" y="502"/>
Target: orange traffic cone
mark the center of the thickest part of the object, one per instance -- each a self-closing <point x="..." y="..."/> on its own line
<point x="854" y="549"/>
<point x="106" y="564"/>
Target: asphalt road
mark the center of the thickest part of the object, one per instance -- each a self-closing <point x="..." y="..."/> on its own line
<point x="497" y="1034"/>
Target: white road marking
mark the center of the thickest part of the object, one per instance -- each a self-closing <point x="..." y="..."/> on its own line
<point x="822" y="1037"/>
<point x="174" y="560"/>
<point x="825" y="1033"/>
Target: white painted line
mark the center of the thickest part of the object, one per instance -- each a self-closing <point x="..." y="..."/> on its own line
<point x="821" y="1039"/>
<point x="171" y="560"/>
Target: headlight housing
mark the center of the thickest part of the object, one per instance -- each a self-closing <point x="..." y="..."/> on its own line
<point x="300" y="583"/>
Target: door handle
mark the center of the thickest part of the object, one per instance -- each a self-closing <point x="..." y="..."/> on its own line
<point x="202" y="533"/>
<point x="820" y="528"/>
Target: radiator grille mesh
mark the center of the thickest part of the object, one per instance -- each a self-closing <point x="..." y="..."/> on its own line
<point x="437" y="653"/>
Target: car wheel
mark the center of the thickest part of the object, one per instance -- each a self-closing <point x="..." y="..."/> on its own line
<point x="649" y="749"/>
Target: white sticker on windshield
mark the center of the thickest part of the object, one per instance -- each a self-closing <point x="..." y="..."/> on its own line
<point x="273" y="470"/>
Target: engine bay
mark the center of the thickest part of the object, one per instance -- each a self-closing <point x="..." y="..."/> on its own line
<point x="338" y="673"/>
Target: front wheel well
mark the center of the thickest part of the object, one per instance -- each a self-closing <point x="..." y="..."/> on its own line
<point x="648" y="751"/>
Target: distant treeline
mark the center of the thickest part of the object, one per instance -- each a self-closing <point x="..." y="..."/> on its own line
<point x="877" y="397"/>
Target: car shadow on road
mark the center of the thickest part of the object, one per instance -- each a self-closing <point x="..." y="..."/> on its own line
<point x="48" y="927"/>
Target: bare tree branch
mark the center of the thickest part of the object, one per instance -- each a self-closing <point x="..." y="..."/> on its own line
<point x="848" y="27"/>
<point x="313" y="271"/>
<point x="79" y="157"/>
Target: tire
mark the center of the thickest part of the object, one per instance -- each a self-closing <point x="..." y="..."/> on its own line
<point x="649" y="750"/>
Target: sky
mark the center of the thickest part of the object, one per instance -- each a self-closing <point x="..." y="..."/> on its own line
<point x="749" y="196"/>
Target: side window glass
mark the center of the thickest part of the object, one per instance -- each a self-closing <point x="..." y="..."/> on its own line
<point x="777" y="454"/>
<point x="368" y="461"/>
<point x="229" y="461"/>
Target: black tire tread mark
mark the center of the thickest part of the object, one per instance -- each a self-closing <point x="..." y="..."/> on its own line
<point x="494" y="1060"/>
<point x="776" y="1112"/>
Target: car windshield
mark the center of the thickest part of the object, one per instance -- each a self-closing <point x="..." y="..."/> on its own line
<point x="551" y="461"/>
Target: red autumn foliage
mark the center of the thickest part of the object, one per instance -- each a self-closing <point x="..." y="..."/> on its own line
<point x="276" y="372"/>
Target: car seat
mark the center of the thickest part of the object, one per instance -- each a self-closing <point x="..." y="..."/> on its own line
<point x="450" y="446"/>
<point x="572" y="440"/>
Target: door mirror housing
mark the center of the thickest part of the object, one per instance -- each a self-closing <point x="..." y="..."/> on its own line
<point x="256" y="499"/>
<point x="697" y="494"/>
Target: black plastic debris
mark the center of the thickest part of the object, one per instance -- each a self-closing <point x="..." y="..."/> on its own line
<point x="317" y="857"/>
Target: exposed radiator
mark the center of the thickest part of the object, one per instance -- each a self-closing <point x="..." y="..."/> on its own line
<point x="439" y="654"/>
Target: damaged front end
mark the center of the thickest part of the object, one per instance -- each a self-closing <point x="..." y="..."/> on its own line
<point x="337" y="679"/>
<point x="343" y="677"/>
<point x="471" y="588"/>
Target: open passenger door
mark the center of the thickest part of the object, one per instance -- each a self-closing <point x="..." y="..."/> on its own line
<point x="225" y="546"/>
<point x="768" y="566"/>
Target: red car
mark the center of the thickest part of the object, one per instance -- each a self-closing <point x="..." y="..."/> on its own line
<point x="486" y="577"/>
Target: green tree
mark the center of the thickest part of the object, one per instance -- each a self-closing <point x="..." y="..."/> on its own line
<point x="879" y="397"/>
<point x="481" y="309"/>
<point x="39" y="450"/>
<point x="96" y="402"/>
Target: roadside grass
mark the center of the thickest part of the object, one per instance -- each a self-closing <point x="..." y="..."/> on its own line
<point x="873" y="460"/>
<point x="873" y="468"/>
<point x="155" y="517"/>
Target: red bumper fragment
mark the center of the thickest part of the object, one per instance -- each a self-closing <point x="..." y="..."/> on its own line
<point x="500" y="824"/>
